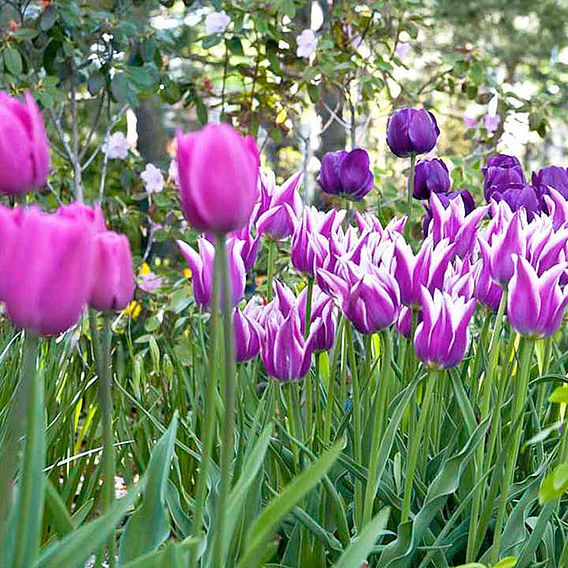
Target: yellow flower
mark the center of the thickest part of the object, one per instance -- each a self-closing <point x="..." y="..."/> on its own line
<point x="134" y="308"/>
<point x="145" y="269"/>
<point x="187" y="272"/>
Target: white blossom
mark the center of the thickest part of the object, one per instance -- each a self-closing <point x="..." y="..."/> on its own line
<point x="153" y="179"/>
<point x="307" y="43"/>
<point x="116" y="146"/>
<point x="217" y="22"/>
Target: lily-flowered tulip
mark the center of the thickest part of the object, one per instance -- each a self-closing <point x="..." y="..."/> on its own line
<point x="280" y="206"/>
<point x="49" y="275"/>
<point x="250" y="244"/>
<point x="218" y="172"/>
<point x="536" y="304"/>
<point x="346" y="174"/>
<point x="323" y="326"/>
<point x="368" y="222"/>
<point x="442" y="337"/>
<point x="431" y="176"/>
<point x="486" y="290"/>
<point x="247" y="335"/>
<point x="79" y="211"/>
<point x="426" y="268"/>
<point x="551" y="177"/>
<point x="285" y="353"/>
<point x="557" y="207"/>
<point x="453" y="223"/>
<point x="201" y="264"/>
<point x="368" y="297"/>
<point x="113" y="275"/>
<point x="412" y="131"/>
<point x="24" y="151"/>
<point x="501" y="170"/>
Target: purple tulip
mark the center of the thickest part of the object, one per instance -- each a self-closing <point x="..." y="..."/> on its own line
<point x="322" y="329"/>
<point x="557" y="207"/>
<point x="250" y="245"/>
<point x="412" y="131"/>
<point x="442" y="338"/>
<point x="346" y="173"/>
<point x="368" y="297"/>
<point x="368" y="222"/>
<point x="536" y="304"/>
<point x="218" y="172"/>
<point x="431" y="176"/>
<point x="501" y="170"/>
<point x="427" y="268"/>
<point x="247" y="336"/>
<point x="520" y="195"/>
<point x="202" y="263"/>
<point x="462" y="195"/>
<point x="10" y="222"/>
<point x="285" y="354"/>
<point x="280" y="207"/>
<point x="113" y="277"/>
<point x="546" y="246"/>
<point x="404" y="322"/>
<point x="486" y="291"/>
<point x="305" y="242"/>
<point x="79" y="211"/>
<point x="553" y="177"/>
<point x="24" y="150"/>
<point x="48" y="277"/>
<point x="453" y="223"/>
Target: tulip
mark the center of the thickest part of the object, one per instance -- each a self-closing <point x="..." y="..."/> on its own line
<point x="285" y="354"/>
<point x="486" y="290"/>
<point x="113" y="276"/>
<point x="520" y="195"/>
<point x="404" y="322"/>
<point x="323" y="327"/>
<point x="442" y="337"/>
<point x="431" y="176"/>
<point x="551" y="177"/>
<point x="250" y="246"/>
<point x="201" y="264"/>
<point x="247" y="336"/>
<point x="10" y="222"/>
<point x="24" y="150"/>
<point x="546" y="245"/>
<point x="79" y="211"/>
<point x="368" y="297"/>
<point x="557" y="207"/>
<point x="368" y="222"/>
<point x="346" y="174"/>
<point x="280" y="207"/>
<point x="218" y="171"/>
<point x="501" y="170"/>
<point x="426" y="268"/>
<point x="536" y="304"/>
<point x="453" y="223"/>
<point x="411" y="131"/>
<point x="49" y="273"/>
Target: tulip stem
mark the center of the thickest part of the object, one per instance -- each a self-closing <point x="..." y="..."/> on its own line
<point x="229" y="403"/>
<point x="208" y="433"/>
<point x="331" y="382"/>
<point x="520" y="396"/>
<point x="270" y="269"/>
<point x="410" y="191"/>
<point x="414" y="443"/>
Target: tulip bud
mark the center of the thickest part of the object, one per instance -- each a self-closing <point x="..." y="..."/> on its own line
<point x="551" y="177"/>
<point x="218" y="171"/>
<point x="431" y="176"/>
<point x="411" y="131"/>
<point x="10" y="221"/>
<point x="80" y="212"/>
<point x="501" y="170"/>
<point x="24" y="151"/>
<point x="49" y="274"/>
<point x="520" y="195"/>
<point x="113" y="276"/>
<point x="247" y="336"/>
<point x="346" y="173"/>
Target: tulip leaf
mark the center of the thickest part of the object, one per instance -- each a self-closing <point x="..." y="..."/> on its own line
<point x="560" y="395"/>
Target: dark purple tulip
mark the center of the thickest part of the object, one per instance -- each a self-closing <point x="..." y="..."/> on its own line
<point x="519" y="195"/>
<point x="412" y="131"/>
<point x="501" y="170"/>
<point x="553" y="177"/>
<point x="431" y="176"/>
<point x="346" y="173"/>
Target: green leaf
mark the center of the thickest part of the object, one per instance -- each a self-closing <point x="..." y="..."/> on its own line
<point x="236" y="46"/>
<point x="283" y="503"/>
<point x="211" y="41"/>
<point x="119" y="87"/>
<point x="175" y="555"/>
<point x="560" y="395"/>
<point x="13" y="61"/>
<point x="554" y="485"/>
<point x="24" y="34"/>
<point x="356" y="553"/>
<point x="56" y="506"/>
<point x="149" y="525"/>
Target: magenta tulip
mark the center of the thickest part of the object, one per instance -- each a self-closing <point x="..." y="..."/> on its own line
<point x="218" y="172"/>
<point x="247" y="335"/>
<point x="79" y="211"/>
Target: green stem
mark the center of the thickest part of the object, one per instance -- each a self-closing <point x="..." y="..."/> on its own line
<point x="29" y="504"/>
<point x="415" y="440"/>
<point x="410" y="190"/>
<point x="520" y="396"/>
<point x="330" y="395"/>
<point x="271" y="267"/>
<point x="386" y="370"/>
<point x="308" y="383"/>
<point x="210" y="410"/>
<point x="229" y="417"/>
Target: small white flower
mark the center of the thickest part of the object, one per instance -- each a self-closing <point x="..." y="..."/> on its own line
<point x="173" y="172"/>
<point x="307" y="44"/>
<point x="217" y="22"/>
<point x="116" y="146"/>
<point x="491" y="123"/>
<point x="153" y="179"/>
<point x="403" y="50"/>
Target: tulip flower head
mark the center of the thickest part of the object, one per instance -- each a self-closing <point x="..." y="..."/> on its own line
<point x="536" y="304"/>
<point x="24" y="150"/>
<point x="346" y="174"/>
<point x="412" y="131"/>
<point x="79" y="211"/>
<point x="442" y="337"/>
<point x="218" y="171"/>
<point x="431" y="176"/>
<point x="501" y="170"/>
<point x="551" y="177"/>
<point x="247" y="335"/>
